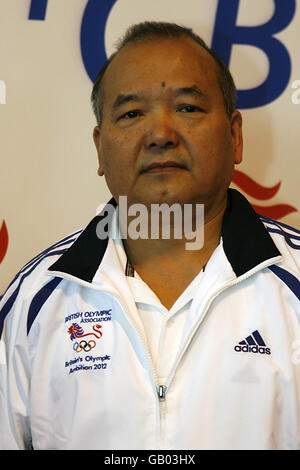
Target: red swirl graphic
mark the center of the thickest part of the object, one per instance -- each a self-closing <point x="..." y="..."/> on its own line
<point x="252" y="188"/>
<point x="3" y="241"/>
<point x="262" y="193"/>
<point x="274" y="212"/>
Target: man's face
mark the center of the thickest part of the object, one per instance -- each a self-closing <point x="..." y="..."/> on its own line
<point x="163" y="106"/>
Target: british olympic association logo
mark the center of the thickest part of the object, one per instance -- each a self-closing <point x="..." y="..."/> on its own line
<point x="76" y="332"/>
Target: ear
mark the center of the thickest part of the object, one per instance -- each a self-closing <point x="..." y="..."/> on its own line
<point x="97" y="142"/>
<point x="237" y="136"/>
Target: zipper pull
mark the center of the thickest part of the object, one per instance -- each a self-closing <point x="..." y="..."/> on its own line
<point x="161" y="391"/>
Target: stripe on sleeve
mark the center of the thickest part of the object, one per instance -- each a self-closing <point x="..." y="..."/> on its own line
<point x="39" y="299"/>
<point x="290" y="234"/>
<point x="291" y="281"/>
<point x="11" y="300"/>
<point x="66" y="241"/>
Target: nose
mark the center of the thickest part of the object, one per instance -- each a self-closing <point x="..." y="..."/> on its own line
<point x="161" y="133"/>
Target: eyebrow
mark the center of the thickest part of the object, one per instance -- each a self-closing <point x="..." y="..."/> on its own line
<point x="190" y="91"/>
<point x="195" y="91"/>
<point x="123" y="99"/>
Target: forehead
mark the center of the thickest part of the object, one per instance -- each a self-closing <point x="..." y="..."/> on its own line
<point x="144" y="65"/>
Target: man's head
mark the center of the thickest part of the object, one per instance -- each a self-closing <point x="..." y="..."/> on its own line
<point x="163" y="103"/>
<point x="160" y="30"/>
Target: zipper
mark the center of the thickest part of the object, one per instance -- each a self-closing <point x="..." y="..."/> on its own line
<point x="160" y="389"/>
<point x="161" y="392"/>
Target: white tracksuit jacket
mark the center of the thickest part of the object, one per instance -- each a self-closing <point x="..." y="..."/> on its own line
<point x="76" y="372"/>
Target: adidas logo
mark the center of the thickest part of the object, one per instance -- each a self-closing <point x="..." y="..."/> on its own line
<point x="253" y="343"/>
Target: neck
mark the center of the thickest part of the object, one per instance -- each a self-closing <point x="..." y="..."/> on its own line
<point x="171" y="252"/>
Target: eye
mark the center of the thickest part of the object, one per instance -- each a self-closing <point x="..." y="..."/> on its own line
<point x="190" y="108"/>
<point x="130" y="114"/>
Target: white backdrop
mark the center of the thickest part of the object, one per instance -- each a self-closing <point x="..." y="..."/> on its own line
<point x="48" y="178"/>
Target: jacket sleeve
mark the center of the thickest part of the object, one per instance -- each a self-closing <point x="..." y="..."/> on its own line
<point x="14" y="372"/>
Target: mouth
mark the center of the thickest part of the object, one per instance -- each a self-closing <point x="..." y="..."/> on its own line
<point x="163" y="167"/>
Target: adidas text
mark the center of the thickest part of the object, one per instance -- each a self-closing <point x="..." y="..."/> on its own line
<point x="253" y="349"/>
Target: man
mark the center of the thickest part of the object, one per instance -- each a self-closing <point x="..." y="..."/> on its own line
<point x="138" y="342"/>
